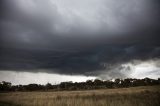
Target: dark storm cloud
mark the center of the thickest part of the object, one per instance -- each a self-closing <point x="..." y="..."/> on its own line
<point x="84" y="62"/>
<point x="77" y="37"/>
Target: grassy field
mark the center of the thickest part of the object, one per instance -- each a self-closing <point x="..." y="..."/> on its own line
<point x="135" y="96"/>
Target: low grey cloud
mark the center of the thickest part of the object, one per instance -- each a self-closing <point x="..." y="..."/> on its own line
<point x="78" y="37"/>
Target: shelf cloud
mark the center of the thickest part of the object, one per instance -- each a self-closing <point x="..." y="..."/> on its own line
<point x="86" y="37"/>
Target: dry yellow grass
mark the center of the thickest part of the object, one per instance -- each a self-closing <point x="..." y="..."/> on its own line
<point x="136" y="96"/>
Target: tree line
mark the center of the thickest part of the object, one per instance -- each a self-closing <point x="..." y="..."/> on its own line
<point x="88" y="85"/>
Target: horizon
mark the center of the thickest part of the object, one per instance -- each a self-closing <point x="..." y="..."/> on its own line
<point x="148" y="82"/>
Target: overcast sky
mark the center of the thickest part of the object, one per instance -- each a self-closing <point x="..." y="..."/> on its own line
<point x="86" y="38"/>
